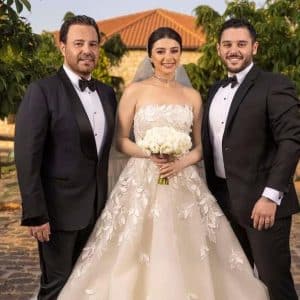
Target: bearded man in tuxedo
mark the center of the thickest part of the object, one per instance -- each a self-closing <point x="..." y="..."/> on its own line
<point x="251" y="145"/>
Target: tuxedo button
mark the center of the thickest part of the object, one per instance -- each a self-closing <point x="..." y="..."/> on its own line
<point x="227" y="149"/>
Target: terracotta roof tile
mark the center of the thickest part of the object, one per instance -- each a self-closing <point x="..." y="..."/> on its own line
<point x="136" y="28"/>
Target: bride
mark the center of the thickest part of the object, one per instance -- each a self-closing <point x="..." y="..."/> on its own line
<point x="162" y="242"/>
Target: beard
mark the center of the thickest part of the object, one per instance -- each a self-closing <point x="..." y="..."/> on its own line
<point x="238" y="67"/>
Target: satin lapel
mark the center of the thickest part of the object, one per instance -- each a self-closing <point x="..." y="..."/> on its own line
<point x="240" y="94"/>
<point x="109" y="117"/>
<point x="87" y="140"/>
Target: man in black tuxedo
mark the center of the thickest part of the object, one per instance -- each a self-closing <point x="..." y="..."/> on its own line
<point x="64" y="130"/>
<point x="251" y="137"/>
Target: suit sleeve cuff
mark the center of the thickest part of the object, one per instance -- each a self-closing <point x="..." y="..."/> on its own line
<point x="37" y="221"/>
<point x="273" y="195"/>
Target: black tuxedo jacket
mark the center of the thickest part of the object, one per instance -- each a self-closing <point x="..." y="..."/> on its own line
<point x="62" y="179"/>
<point x="261" y="142"/>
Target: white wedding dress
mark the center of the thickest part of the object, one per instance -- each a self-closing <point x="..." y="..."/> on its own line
<point x="162" y="242"/>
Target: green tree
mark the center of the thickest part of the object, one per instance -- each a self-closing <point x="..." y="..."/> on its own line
<point x="278" y="27"/>
<point x="68" y="15"/>
<point x="17" y="46"/>
<point x="101" y="72"/>
<point x="48" y="57"/>
<point x="113" y="50"/>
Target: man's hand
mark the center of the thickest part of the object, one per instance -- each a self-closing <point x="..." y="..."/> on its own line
<point x="263" y="213"/>
<point x="41" y="233"/>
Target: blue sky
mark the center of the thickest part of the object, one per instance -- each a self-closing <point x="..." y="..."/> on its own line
<point x="48" y="14"/>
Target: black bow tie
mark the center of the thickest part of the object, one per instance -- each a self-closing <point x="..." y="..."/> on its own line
<point x="83" y="84"/>
<point x="233" y="80"/>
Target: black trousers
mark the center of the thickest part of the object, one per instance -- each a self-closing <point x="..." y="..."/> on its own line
<point x="268" y="249"/>
<point x="57" y="259"/>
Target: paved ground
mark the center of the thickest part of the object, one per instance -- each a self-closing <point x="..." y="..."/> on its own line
<point x="19" y="269"/>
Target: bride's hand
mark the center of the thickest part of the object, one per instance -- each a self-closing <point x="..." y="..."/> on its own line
<point x="171" y="168"/>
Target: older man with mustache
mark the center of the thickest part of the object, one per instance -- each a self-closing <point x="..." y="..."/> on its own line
<point x="64" y="131"/>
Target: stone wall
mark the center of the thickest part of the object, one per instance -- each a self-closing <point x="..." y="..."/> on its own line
<point x="6" y="129"/>
<point x="132" y="59"/>
<point x="6" y="147"/>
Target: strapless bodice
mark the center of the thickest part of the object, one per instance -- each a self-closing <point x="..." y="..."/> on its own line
<point x="148" y="116"/>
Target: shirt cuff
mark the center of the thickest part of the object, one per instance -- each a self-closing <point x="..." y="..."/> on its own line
<point x="274" y="195"/>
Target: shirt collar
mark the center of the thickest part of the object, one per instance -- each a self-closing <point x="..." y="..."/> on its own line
<point x="73" y="76"/>
<point x="241" y="75"/>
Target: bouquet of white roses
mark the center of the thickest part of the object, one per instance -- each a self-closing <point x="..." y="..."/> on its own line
<point x="167" y="141"/>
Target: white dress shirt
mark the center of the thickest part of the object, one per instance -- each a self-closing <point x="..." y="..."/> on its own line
<point x="218" y="114"/>
<point x="92" y="106"/>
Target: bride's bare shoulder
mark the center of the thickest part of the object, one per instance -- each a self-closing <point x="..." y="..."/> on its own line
<point x="192" y="94"/>
<point x="135" y="87"/>
<point x="190" y="91"/>
<point x="132" y="92"/>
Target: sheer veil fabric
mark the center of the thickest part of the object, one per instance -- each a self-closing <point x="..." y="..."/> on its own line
<point x="145" y="70"/>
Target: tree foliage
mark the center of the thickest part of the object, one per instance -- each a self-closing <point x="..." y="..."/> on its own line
<point x="17" y="46"/>
<point x="113" y="51"/>
<point x="278" y="26"/>
<point x="68" y="15"/>
<point x="47" y="55"/>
